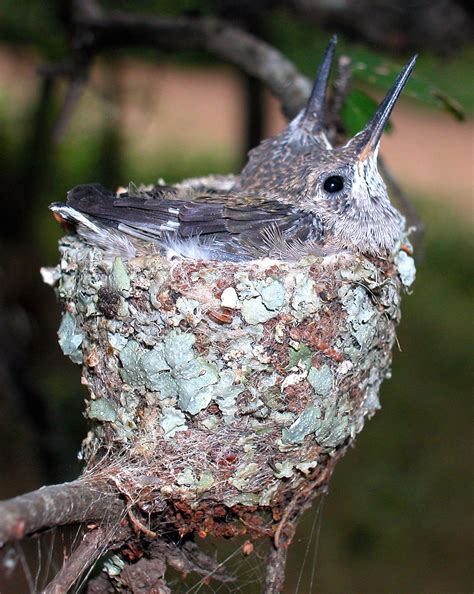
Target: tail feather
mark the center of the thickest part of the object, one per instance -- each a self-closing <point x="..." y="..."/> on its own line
<point x="111" y="241"/>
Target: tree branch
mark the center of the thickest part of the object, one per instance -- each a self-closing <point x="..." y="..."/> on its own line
<point x="98" y="31"/>
<point x="275" y="572"/>
<point x="73" y="94"/>
<point x="90" y="549"/>
<point x="56" y="505"/>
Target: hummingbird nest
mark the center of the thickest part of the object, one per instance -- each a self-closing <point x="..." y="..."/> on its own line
<point x="221" y="394"/>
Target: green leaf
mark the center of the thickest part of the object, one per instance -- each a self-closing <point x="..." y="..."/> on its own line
<point x="303" y="354"/>
<point x="357" y="110"/>
<point x="380" y="72"/>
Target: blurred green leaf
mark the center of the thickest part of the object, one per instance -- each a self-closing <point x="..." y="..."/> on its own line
<point x="377" y="71"/>
<point x="357" y="110"/>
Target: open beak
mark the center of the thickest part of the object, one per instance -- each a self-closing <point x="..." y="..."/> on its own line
<point x="314" y="111"/>
<point x="368" y="140"/>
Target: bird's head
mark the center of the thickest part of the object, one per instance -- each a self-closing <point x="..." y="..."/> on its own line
<point x="344" y="188"/>
<point x="342" y="185"/>
<point x="347" y="190"/>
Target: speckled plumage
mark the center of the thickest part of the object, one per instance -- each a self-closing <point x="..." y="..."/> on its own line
<point x="277" y="207"/>
<point x="305" y="134"/>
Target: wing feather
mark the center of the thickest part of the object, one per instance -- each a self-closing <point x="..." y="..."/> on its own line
<point x="231" y="221"/>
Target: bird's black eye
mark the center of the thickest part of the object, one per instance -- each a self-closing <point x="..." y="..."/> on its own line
<point x="333" y="183"/>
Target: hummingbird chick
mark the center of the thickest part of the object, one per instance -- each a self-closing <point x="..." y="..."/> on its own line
<point x="296" y="195"/>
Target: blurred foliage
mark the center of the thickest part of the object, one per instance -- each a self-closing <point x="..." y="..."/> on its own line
<point x="301" y="44"/>
<point x="33" y="24"/>
<point x="375" y="70"/>
<point x="36" y="24"/>
<point x="397" y="515"/>
<point x="357" y="109"/>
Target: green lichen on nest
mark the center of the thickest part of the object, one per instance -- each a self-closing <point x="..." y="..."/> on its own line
<point x="244" y="375"/>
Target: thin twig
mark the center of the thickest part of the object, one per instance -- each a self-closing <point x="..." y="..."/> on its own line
<point x="80" y="560"/>
<point x="73" y="94"/>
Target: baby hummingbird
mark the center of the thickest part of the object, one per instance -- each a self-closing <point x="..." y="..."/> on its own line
<point x="296" y="195"/>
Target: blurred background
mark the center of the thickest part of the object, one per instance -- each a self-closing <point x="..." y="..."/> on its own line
<point x="399" y="513"/>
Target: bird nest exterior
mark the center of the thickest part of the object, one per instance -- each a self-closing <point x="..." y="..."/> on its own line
<point x="219" y="394"/>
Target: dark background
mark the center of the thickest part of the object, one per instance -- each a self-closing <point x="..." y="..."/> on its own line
<point x="399" y="515"/>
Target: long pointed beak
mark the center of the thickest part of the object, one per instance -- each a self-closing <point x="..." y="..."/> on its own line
<point x="372" y="133"/>
<point x="314" y="111"/>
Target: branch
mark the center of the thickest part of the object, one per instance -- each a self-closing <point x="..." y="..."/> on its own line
<point x="275" y="572"/>
<point x="100" y="31"/>
<point x="261" y="60"/>
<point x="73" y="94"/>
<point x="90" y="549"/>
<point x="56" y="505"/>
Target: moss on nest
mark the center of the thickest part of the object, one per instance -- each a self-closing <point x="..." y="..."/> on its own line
<point x="227" y="385"/>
